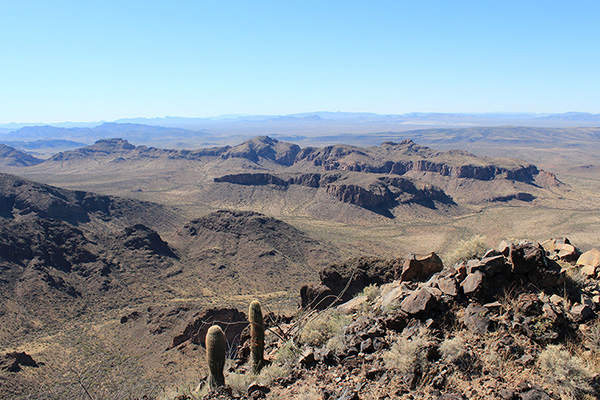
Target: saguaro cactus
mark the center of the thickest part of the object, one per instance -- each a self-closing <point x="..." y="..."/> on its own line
<point x="257" y="336"/>
<point x="215" y="353"/>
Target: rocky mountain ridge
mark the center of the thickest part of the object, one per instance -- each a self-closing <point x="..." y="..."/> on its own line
<point x="385" y="180"/>
<point x="9" y="156"/>
<point x="492" y="327"/>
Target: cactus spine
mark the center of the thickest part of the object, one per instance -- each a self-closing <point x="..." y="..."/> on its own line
<point x="257" y="336"/>
<point x="215" y="353"/>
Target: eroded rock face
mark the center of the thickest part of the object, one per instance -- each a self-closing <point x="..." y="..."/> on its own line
<point x="383" y="192"/>
<point x="420" y="267"/>
<point x="400" y="158"/>
<point x="347" y="279"/>
<point x="140" y="237"/>
<point x="232" y="321"/>
<point x="12" y="362"/>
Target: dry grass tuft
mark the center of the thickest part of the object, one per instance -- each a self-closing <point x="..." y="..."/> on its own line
<point x="474" y="247"/>
<point x="566" y="372"/>
<point x="408" y="354"/>
<point x="322" y="327"/>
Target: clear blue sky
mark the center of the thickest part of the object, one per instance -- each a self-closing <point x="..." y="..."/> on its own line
<point x="103" y="60"/>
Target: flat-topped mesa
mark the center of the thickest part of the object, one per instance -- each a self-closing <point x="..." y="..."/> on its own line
<point x="406" y="156"/>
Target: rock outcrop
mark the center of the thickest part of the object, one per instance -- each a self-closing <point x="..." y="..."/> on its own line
<point x="378" y="194"/>
<point x="341" y="282"/>
<point x="12" y="362"/>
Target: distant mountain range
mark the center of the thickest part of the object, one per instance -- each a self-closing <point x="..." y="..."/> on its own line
<point x="316" y="128"/>
<point x="198" y="124"/>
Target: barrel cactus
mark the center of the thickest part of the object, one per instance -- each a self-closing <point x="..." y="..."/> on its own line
<point x="215" y="354"/>
<point x="257" y="336"/>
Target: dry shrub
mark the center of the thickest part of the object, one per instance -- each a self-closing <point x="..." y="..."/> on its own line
<point x="239" y="382"/>
<point x="474" y="247"/>
<point x="453" y="349"/>
<point x="408" y="354"/>
<point x="372" y="292"/>
<point x="567" y="373"/>
<point x="322" y="327"/>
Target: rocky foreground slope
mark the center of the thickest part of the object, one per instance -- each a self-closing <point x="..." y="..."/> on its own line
<point x="518" y="322"/>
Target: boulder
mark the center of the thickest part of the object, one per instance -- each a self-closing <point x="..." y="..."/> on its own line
<point x="546" y="275"/>
<point x="567" y="252"/>
<point x="476" y="318"/>
<point x="448" y="286"/>
<point x="504" y="248"/>
<point x="420" y="267"/>
<point x="473" y="283"/>
<point x="491" y="265"/>
<point x="353" y="305"/>
<point x="581" y="312"/>
<point x="257" y="390"/>
<point x="526" y="256"/>
<point x="391" y="293"/>
<point x="561" y="248"/>
<point x="535" y="394"/>
<point x="590" y="259"/>
<point x="418" y="302"/>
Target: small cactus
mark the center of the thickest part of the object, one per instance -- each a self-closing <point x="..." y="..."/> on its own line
<point x="215" y="354"/>
<point x="257" y="336"/>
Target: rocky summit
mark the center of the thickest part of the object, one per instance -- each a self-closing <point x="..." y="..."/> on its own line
<point x="518" y="322"/>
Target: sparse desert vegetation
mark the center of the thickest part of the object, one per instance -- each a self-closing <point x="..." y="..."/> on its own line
<point x="139" y="283"/>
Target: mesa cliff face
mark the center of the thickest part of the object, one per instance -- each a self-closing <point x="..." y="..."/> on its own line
<point x="407" y="156"/>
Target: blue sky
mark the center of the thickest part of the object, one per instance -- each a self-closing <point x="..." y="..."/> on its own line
<point x="104" y="60"/>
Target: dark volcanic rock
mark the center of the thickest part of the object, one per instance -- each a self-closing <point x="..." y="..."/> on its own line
<point x="53" y="243"/>
<point x="379" y="195"/>
<point x="473" y="283"/>
<point x="12" y="362"/>
<point x="420" y="267"/>
<point x="367" y="198"/>
<point x="140" y="237"/>
<point x="526" y="256"/>
<point x="232" y="321"/>
<point x="20" y="197"/>
<point x="476" y="318"/>
<point x="400" y="158"/>
<point x="347" y="279"/>
<point x="418" y="302"/>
